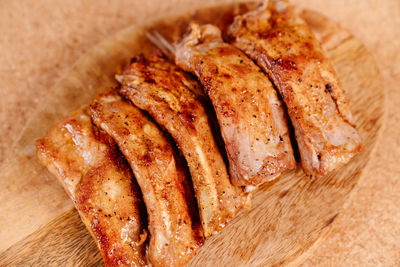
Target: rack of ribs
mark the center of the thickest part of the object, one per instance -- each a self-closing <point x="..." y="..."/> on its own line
<point x="285" y="48"/>
<point x="251" y="116"/>
<point x="174" y="236"/>
<point x="173" y="99"/>
<point x="97" y="178"/>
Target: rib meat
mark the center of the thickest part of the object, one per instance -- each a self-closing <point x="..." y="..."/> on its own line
<point x="95" y="175"/>
<point x="172" y="98"/>
<point x="284" y="47"/>
<point x="251" y="117"/>
<point x="173" y="236"/>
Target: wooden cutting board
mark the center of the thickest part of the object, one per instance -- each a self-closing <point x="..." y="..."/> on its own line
<point x="39" y="225"/>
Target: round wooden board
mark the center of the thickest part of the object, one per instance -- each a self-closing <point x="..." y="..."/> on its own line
<point x="288" y="217"/>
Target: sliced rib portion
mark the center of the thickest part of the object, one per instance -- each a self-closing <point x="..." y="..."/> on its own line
<point x="284" y="47"/>
<point x="95" y="175"/>
<point x="172" y="99"/>
<point x="173" y="239"/>
<point x="250" y="115"/>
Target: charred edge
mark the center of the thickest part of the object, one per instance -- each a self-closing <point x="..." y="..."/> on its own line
<point x="148" y="77"/>
<point x="328" y="87"/>
<point x="138" y="59"/>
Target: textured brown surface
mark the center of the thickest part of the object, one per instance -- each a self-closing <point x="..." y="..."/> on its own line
<point x="41" y="39"/>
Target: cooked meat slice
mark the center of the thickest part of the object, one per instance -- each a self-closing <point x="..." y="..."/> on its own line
<point x="284" y="47"/>
<point x="169" y="95"/>
<point x="93" y="172"/>
<point x="173" y="236"/>
<point x="251" y="117"/>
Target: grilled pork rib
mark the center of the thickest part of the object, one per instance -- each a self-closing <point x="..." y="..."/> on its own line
<point x="173" y="237"/>
<point x="284" y="47"/>
<point x="172" y="99"/>
<point x="251" y="117"/>
<point x="95" y="175"/>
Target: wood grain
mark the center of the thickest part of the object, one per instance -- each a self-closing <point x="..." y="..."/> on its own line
<point x="287" y="217"/>
<point x="47" y="246"/>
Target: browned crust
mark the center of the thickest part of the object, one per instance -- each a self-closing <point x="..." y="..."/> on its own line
<point x="284" y="47"/>
<point x="250" y="115"/>
<point x="174" y="237"/>
<point x="67" y="150"/>
<point x="174" y="100"/>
